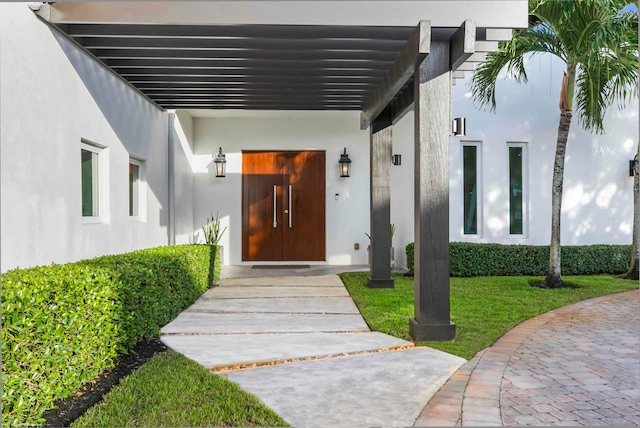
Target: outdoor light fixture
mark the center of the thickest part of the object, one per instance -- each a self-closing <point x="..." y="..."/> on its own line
<point x="396" y="160"/>
<point x="459" y="127"/>
<point x="221" y="163"/>
<point x="345" y="164"/>
<point x="632" y="166"/>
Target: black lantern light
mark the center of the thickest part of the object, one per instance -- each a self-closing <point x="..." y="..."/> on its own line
<point x="459" y="127"/>
<point x="632" y="166"/>
<point x="221" y="163"/>
<point x="345" y="164"/>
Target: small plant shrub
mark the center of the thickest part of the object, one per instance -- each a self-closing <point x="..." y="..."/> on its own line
<point x="469" y="259"/>
<point x="62" y="325"/>
<point x="212" y="231"/>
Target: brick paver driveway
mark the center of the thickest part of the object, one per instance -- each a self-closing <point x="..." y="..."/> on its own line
<point x="582" y="367"/>
<point x="576" y="365"/>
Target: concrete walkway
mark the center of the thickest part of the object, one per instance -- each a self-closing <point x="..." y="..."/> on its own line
<point x="576" y="365"/>
<point x="301" y="346"/>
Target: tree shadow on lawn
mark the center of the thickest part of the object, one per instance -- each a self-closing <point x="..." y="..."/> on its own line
<point x="543" y="285"/>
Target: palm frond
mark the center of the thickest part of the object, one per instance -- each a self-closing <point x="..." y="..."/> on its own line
<point x="608" y="66"/>
<point x="579" y="24"/>
<point x="511" y="55"/>
<point x="605" y="77"/>
<point x="598" y="37"/>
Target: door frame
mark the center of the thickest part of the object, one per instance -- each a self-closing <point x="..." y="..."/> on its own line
<point x="280" y="194"/>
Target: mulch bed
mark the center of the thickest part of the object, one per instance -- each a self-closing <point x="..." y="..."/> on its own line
<point x="69" y="409"/>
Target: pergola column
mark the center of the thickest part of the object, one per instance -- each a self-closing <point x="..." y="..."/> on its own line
<point x="380" y="157"/>
<point x="432" y="106"/>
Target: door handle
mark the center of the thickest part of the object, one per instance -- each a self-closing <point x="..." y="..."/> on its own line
<point x="290" y="208"/>
<point x="275" y="209"/>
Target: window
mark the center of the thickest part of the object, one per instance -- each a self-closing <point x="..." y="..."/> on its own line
<point x="470" y="184"/>
<point x="94" y="167"/>
<point x="517" y="188"/>
<point x="134" y="188"/>
<point x="90" y="181"/>
<point x="137" y="194"/>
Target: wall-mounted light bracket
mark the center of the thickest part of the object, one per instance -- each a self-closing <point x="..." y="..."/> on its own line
<point x="221" y="163"/>
<point x="459" y="127"/>
<point x="632" y="166"/>
<point x="345" y="164"/>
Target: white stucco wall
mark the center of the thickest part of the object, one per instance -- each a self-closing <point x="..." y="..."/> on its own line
<point x="183" y="173"/>
<point x="52" y="96"/>
<point x="347" y="219"/>
<point x="598" y="196"/>
<point x="402" y="179"/>
<point x="598" y="200"/>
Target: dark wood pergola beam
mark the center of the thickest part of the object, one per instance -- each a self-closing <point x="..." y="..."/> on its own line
<point x="237" y="73"/>
<point x="296" y="32"/>
<point x="239" y="43"/>
<point x="220" y="53"/>
<point x="279" y="64"/>
<point x="260" y="106"/>
<point x="462" y="44"/>
<point x="276" y="81"/>
<point x="220" y="90"/>
<point x="402" y="104"/>
<point x="409" y="59"/>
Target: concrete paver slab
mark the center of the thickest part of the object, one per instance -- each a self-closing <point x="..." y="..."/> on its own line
<point x="289" y="281"/>
<point x="317" y="305"/>
<point x="232" y="349"/>
<point x="251" y="292"/>
<point x="262" y="320"/>
<point x="385" y="389"/>
<point x="246" y="271"/>
<point x="216" y="323"/>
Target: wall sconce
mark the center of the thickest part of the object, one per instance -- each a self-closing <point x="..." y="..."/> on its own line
<point x="396" y="160"/>
<point x="459" y="127"/>
<point x="632" y="166"/>
<point x="345" y="164"/>
<point x="221" y="163"/>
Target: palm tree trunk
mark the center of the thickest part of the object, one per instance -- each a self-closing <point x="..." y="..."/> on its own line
<point x="554" y="276"/>
<point x="635" y="249"/>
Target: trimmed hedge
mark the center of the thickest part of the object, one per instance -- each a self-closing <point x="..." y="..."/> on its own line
<point x="62" y="325"/>
<point x="470" y="259"/>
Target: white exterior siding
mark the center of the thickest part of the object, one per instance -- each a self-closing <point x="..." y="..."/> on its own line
<point x="53" y="96"/>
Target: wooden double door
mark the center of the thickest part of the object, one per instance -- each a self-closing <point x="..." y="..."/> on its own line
<point x="283" y="205"/>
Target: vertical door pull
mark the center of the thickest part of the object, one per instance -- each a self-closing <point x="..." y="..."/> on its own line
<point x="290" y="207"/>
<point x="275" y="209"/>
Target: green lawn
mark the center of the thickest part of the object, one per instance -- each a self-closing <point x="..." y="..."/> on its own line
<point x="483" y="308"/>
<point x="171" y="390"/>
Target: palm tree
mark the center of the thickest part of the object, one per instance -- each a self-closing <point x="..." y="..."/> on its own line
<point x="634" y="271"/>
<point x="598" y="42"/>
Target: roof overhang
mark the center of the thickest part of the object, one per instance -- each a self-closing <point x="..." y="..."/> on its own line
<point x="282" y="55"/>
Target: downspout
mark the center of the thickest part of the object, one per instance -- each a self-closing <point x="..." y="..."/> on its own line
<point x="171" y="176"/>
